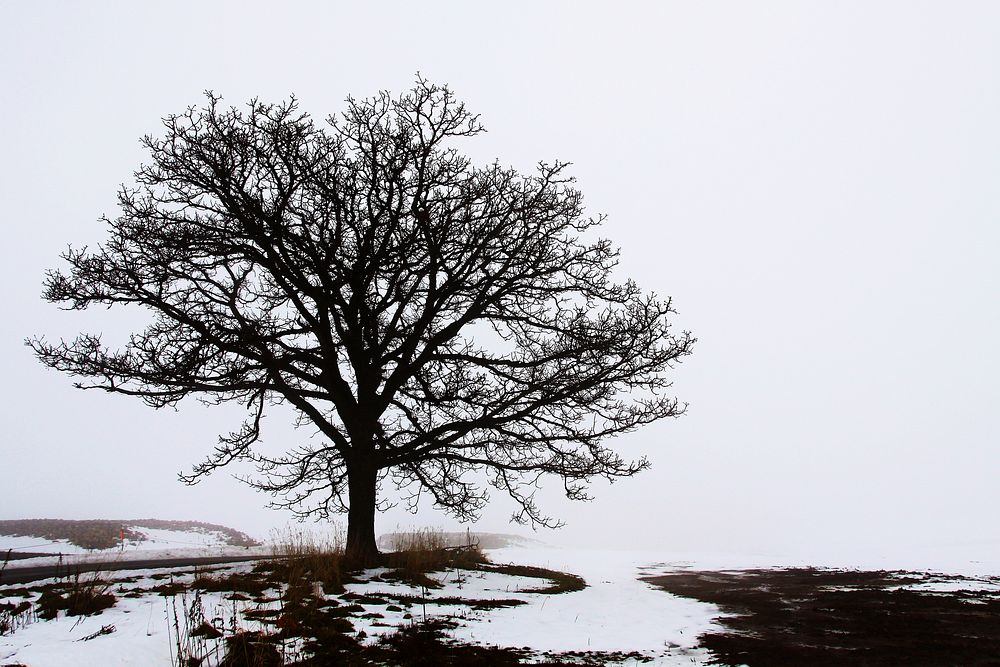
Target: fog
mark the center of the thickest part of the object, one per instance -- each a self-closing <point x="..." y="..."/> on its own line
<point x="815" y="185"/>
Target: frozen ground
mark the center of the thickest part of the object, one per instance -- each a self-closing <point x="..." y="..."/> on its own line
<point x="143" y="633"/>
<point x="616" y="612"/>
<point x="158" y="552"/>
<point x="157" y="540"/>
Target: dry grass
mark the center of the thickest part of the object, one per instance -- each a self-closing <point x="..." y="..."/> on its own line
<point x="15" y="615"/>
<point x="79" y="596"/>
<point x="303" y="616"/>
<point x="306" y="559"/>
<point x="424" y="550"/>
<point x="420" y="539"/>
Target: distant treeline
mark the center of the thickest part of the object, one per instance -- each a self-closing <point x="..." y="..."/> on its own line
<point x="106" y="533"/>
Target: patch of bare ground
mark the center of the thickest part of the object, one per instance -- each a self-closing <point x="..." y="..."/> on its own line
<point x="816" y="617"/>
<point x="428" y="645"/>
<point x="558" y="582"/>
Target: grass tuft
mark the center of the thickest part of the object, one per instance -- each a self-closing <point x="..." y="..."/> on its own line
<point x="81" y="596"/>
<point x="417" y="552"/>
<point x="251" y="649"/>
<point x="308" y="564"/>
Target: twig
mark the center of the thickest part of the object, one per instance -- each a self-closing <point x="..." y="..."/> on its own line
<point x="105" y="630"/>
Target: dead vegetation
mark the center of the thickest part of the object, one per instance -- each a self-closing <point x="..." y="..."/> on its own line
<point x="296" y="609"/>
<point x="78" y="596"/>
<point x="14" y="615"/>
<point x="559" y="582"/>
<point x="806" y="616"/>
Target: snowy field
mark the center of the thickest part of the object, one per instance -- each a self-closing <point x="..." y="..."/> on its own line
<point x="156" y="539"/>
<point x="615" y="612"/>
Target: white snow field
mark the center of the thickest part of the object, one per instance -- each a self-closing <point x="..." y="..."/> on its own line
<point x="615" y="612"/>
<point x="157" y="539"/>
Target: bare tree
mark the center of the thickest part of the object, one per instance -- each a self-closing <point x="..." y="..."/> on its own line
<point x="426" y="316"/>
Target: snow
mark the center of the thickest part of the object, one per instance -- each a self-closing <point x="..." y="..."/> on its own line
<point x="158" y="553"/>
<point x="615" y="612"/>
<point x="32" y="544"/>
<point x="140" y="638"/>
<point x="157" y="540"/>
<point x="934" y="584"/>
<point x="981" y="561"/>
<point x="144" y="628"/>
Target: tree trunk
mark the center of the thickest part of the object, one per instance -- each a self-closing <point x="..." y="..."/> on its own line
<point x="361" y="547"/>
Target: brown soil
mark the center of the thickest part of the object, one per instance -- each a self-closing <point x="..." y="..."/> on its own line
<point x="817" y="617"/>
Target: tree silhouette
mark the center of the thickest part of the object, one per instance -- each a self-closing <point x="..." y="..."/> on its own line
<point x="425" y="316"/>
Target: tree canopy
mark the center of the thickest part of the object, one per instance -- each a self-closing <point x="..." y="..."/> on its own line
<point x="426" y="316"/>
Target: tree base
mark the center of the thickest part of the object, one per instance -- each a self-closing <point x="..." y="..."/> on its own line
<point x="364" y="559"/>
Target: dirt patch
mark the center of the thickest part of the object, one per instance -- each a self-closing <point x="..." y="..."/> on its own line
<point x="449" y="600"/>
<point x="805" y="616"/>
<point x="428" y="645"/>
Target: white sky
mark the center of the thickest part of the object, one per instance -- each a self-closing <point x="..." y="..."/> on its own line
<point x="814" y="183"/>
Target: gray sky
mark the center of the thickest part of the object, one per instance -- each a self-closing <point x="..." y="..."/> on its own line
<point x="815" y="184"/>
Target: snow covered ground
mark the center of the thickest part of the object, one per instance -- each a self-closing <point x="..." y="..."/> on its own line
<point x="975" y="560"/>
<point x="157" y="552"/>
<point x="143" y="632"/>
<point x="616" y="612"/>
<point x="157" y="539"/>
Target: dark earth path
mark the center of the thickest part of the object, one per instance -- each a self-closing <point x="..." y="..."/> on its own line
<point x="805" y="616"/>
<point x="23" y="575"/>
<point x="24" y="555"/>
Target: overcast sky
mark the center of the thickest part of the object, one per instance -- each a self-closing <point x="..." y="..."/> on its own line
<point x="815" y="185"/>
